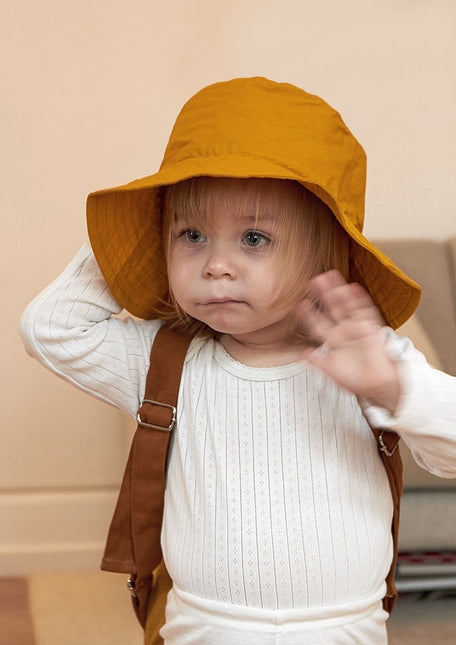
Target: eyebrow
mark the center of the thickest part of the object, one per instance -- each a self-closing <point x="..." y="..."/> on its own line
<point x="254" y="218"/>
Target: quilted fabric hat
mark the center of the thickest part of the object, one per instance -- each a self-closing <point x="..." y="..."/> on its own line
<point x="246" y="127"/>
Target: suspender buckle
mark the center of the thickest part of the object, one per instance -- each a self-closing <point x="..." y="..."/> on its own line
<point x="144" y="424"/>
<point x="389" y="452"/>
<point x="131" y="587"/>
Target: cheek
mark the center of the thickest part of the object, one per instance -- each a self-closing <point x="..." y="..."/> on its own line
<point x="179" y="276"/>
<point x="266" y="280"/>
<point x="276" y="292"/>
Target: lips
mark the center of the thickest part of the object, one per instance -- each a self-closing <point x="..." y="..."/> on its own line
<point x="221" y="301"/>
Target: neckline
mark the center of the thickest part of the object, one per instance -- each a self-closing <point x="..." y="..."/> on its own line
<point x="249" y="372"/>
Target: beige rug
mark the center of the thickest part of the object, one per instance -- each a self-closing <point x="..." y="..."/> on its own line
<point x="82" y="609"/>
<point x="94" y="609"/>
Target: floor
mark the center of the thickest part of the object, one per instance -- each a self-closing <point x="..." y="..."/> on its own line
<point x="93" y="609"/>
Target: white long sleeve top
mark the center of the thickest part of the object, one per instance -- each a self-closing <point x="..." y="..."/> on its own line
<point x="276" y="498"/>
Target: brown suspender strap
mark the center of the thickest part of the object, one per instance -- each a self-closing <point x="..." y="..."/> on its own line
<point x="133" y="544"/>
<point x="388" y="448"/>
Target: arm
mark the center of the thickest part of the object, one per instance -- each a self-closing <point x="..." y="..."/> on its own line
<point x="69" y="327"/>
<point x="425" y="417"/>
<point x="396" y="387"/>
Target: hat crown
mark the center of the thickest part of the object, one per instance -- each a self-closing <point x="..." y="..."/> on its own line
<point x="298" y="132"/>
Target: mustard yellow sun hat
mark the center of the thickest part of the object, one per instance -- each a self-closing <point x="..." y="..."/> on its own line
<point x="246" y="127"/>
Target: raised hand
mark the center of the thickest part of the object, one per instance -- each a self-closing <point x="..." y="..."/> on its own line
<point x="347" y="326"/>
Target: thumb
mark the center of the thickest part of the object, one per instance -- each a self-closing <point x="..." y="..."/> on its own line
<point x="319" y="356"/>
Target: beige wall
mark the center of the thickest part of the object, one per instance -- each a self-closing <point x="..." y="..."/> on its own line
<point x="89" y="93"/>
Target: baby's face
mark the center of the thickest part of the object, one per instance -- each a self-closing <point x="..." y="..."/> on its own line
<point x="223" y="272"/>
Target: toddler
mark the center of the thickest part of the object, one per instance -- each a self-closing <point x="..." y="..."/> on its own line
<point x="277" y="526"/>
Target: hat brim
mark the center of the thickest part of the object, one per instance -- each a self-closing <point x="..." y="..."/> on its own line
<point x="125" y="230"/>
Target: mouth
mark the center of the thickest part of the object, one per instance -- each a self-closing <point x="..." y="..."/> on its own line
<point x="221" y="301"/>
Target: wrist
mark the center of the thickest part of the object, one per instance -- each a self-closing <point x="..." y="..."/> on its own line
<point x="386" y="394"/>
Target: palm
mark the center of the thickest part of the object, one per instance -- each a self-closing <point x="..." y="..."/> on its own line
<point x="352" y="350"/>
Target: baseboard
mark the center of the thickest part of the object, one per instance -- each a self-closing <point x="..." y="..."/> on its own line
<point x="51" y="531"/>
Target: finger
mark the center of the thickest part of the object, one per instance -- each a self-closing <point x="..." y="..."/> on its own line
<point x="330" y="290"/>
<point x="314" y="320"/>
<point x="321" y="289"/>
<point x="340" y="302"/>
<point x="353" y="302"/>
<point x="319" y="358"/>
<point x="328" y="325"/>
<point x="343" y="300"/>
<point x="323" y="283"/>
<point x="324" y="331"/>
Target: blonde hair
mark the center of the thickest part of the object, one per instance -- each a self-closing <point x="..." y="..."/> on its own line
<point x="314" y="242"/>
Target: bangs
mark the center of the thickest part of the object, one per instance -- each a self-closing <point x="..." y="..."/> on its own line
<point x="193" y="201"/>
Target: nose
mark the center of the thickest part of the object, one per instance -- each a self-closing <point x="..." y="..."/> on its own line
<point x="219" y="264"/>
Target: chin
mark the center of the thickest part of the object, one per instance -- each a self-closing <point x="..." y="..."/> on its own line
<point x="226" y="327"/>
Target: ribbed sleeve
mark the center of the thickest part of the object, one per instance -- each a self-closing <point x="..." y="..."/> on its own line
<point x="69" y="327"/>
<point x="426" y="415"/>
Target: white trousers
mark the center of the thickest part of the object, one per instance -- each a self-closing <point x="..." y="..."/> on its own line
<point x="191" y="620"/>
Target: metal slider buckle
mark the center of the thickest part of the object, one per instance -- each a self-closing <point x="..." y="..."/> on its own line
<point x="154" y="427"/>
<point x="131" y="587"/>
<point x="384" y="448"/>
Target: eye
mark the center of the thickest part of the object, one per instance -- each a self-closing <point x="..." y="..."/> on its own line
<point x="193" y="236"/>
<point x="255" y="239"/>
